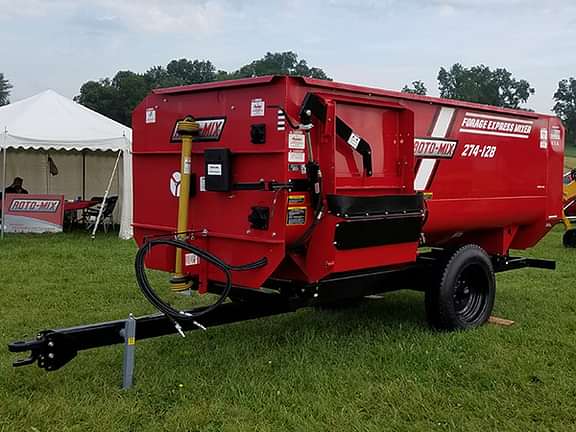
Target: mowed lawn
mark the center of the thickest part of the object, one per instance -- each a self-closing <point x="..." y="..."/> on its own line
<point x="373" y="367"/>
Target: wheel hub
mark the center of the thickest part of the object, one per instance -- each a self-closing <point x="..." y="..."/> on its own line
<point x="468" y="295"/>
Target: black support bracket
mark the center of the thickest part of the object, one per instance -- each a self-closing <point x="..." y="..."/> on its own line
<point x="315" y="105"/>
<point x="507" y="263"/>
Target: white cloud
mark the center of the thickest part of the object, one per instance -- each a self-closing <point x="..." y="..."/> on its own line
<point x="34" y="8"/>
<point x="166" y="16"/>
<point x="446" y="10"/>
<point x="170" y="16"/>
<point x="385" y="43"/>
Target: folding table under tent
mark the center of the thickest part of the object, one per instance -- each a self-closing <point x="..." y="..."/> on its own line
<point x="57" y="125"/>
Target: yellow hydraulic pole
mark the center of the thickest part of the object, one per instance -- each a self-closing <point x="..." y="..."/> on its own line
<point x="187" y="129"/>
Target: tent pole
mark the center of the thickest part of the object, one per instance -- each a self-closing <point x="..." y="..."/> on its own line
<point x="3" y="184"/>
<point x="126" y="209"/>
<point x="105" y="197"/>
<point x="83" y="174"/>
<point x="47" y="170"/>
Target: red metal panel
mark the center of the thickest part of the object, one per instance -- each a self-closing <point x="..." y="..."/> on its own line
<point x="215" y="85"/>
<point x="401" y="96"/>
<point x="223" y="215"/>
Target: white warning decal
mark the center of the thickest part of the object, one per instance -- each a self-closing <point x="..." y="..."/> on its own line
<point x="296" y="156"/>
<point x="190" y="259"/>
<point x="187" y="166"/>
<point x="296" y="140"/>
<point x="257" y="107"/>
<point x="555" y="137"/>
<point x="214" y="169"/>
<point x="354" y="140"/>
<point x="543" y="138"/>
<point x="150" y="115"/>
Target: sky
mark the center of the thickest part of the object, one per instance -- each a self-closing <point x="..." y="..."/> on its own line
<point x="60" y="44"/>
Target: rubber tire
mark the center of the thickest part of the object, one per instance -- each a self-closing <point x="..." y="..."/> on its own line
<point x="441" y="312"/>
<point x="569" y="239"/>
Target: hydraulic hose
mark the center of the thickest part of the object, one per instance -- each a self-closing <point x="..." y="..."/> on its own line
<point x="164" y="307"/>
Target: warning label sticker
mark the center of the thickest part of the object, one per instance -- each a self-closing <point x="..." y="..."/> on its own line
<point x="190" y="259"/>
<point x="296" y="140"/>
<point x="214" y="169"/>
<point x="354" y="140"/>
<point x="296" y="216"/>
<point x="257" y="107"/>
<point x="296" y="156"/>
<point x="296" y="199"/>
<point x="555" y="137"/>
<point x="187" y="166"/>
<point x="543" y="138"/>
<point x="150" y="115"/>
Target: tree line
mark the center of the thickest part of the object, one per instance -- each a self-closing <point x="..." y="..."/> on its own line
<point x="5" y="88"/>
<point x="499" y="88"/>
<point x="116" y="97"/>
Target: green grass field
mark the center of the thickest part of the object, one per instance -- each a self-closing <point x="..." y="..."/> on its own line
<point x="374" y="367"/>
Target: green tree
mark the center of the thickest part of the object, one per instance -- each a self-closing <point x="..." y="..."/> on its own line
<point x="285" y="63"/>
<point x="191" y="72"/>
<point x="157" y="77"/>
<point x="5" y="88"/>
<point x="565" y="107"/>
<point x="181" y="72"/>
<point x="117" y="97"/>
<point x="417" y="87"/>
<point x="480" y="84"/>
<point x="100" y="96"/>
<point x="130" y="88"/>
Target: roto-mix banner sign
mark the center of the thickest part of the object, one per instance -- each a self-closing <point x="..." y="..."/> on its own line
<point x="34" y="213"/>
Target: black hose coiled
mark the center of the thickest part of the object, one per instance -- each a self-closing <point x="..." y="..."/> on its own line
<point x="164" y="307"/>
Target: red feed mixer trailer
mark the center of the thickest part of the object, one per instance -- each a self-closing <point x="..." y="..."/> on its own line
<point x="283" y="192"/>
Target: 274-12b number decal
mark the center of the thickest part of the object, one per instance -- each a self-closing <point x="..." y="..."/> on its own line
<point x="475" y="150"/>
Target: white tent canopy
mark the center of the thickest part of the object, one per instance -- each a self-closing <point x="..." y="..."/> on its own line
<point x="49" y="121"/>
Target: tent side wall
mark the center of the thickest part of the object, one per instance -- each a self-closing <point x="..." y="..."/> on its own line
<point x="51" y="123"/>
<point x="32" y="166"/>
